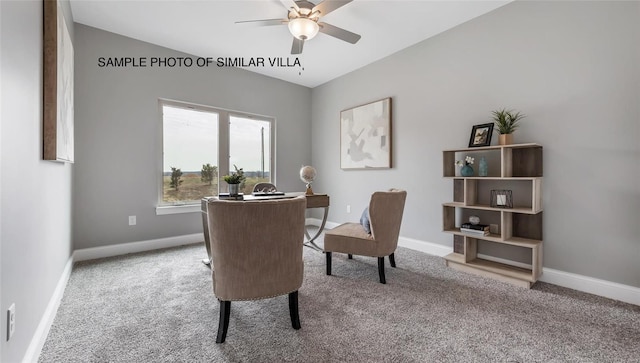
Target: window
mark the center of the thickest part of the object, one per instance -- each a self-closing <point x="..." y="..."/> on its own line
<point x="201" y="144"/>
<point x="190" y="149"/>
<point x="249" y="148"/>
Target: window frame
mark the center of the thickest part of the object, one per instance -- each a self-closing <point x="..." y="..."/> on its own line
<point x="224" y="137"/>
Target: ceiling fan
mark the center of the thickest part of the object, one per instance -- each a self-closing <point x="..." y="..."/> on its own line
<point x="303" y="20"/>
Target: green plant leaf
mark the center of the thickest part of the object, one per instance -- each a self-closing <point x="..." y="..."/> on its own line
<point x="506" y="121"/>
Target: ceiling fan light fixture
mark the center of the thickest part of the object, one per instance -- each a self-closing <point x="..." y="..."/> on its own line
<point x="303" y="28"/>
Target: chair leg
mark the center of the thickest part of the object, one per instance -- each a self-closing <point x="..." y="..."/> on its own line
<point x="350" y="256"/>
<point x="381" y="270"/>
<point x="225" y="310"/>
<point x="293" y="310"/>
<point x="328" y="254"/>
<point x="392" y="260"/>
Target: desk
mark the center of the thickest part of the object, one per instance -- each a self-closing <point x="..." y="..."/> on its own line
<point x="313" y="201"/>
<point x="317" y="201"/>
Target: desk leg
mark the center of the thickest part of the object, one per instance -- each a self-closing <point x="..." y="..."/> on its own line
<point x="205" y="227"/>
<point x="310" y="240"/>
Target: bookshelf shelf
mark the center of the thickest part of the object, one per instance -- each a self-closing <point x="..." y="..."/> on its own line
<point x="524" y="210"/>
<point x="514" y="275"/>
<point x="516" y="167"/>
<point x="514" y="241"/>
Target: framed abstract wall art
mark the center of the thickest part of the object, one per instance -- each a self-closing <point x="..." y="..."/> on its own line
<point x="365" y="136"/>
<point x="58" y="143"/>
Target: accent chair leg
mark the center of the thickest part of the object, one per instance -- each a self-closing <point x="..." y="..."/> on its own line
<point x="350" y="256"/>
<point x="328" y="254"/>
<point x="381" y="270"/>
<point x="225" y="310"/>
<point x="392" y="260"/>
<point x="293" y="310"/>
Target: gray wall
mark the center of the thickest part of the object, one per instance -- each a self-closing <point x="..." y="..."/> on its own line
<point x="117" y="125"/>
<point x="36" y="195"/>
<point x="572" y="67"/>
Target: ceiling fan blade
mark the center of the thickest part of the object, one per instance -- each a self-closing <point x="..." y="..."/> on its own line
<point x="339" y="33"/>
<point x="264" y="22"/>
<point x="296" y="47"/>
<point x="288" y="4"/>
<point x="328" y="6"/>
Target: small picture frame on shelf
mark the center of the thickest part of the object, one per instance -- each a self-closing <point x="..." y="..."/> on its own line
<point x="481" y="135"/>
<point x="501" y="199"/>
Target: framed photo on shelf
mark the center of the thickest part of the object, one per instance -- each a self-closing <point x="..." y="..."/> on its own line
<point x="501" y="199"/>
<point x="365" y="136"/>
<point x="481" y="135"/>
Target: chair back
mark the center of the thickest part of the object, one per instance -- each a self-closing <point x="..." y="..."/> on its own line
<point x="265" y="187"/>
<point x="385" y="211"/>
<point x="256" y="247"/>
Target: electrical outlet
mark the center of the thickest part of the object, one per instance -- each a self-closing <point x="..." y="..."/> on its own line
<point x="132" y="220"/>
<point x="11" y="320"/>
<point x="348" y="208"/>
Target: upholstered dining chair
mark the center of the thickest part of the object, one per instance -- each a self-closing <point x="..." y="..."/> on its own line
<point x="264" y="187"/>
<point x="256" y="249"/>
<point x="385" y="217"/>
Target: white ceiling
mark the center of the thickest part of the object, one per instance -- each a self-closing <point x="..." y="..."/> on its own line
<point x="206" y="28"/>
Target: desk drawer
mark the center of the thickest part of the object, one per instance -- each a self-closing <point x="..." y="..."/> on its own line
<point x="317" y="201"/>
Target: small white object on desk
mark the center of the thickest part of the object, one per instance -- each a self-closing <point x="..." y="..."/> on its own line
<point x="307" y="175"/>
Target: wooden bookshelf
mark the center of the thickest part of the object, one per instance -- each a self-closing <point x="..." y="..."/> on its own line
<point x="520" y="166"/>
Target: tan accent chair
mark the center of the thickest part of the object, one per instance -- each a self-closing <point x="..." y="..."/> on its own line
<point x="256" y="250"/>
<point x="385" y="211"/>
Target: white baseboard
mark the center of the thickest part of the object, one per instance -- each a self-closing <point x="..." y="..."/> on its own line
<point x="611" y="290"/>
<point x="423" y="246"/>
<point x="329" y="225"/>
<point x="317" y="221"/>
<point x="133" y="247"/>
<point x="40" y="336"/>
<point x="312" y="222"/>
<point x="608" y="289"/>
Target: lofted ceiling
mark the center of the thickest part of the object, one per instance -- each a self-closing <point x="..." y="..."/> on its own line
<point x="206" y="28"/>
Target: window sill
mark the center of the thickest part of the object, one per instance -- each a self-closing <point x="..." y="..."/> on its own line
<point x="177" y="209"/>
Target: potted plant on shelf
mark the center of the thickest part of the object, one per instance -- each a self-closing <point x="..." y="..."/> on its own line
<point x="234" y="180"/>
<point x="506" y="122"/>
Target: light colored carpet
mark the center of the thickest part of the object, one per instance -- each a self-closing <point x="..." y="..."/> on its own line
<point x="159" y="306"/>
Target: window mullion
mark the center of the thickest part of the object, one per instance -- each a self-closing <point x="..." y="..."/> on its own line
<point x="223" y="150"/>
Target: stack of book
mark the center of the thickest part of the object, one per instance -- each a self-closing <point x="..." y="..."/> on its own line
<point x="475" y="229"/>
<point x="226" y="196"/>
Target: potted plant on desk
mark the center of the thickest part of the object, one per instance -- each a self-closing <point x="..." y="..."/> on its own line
<point x="234" y="180"/>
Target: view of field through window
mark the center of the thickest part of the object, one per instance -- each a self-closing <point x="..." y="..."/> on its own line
<point x="190" y="141"/>
<point x="191" y="153"/>
<point x="249" y="149"/>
